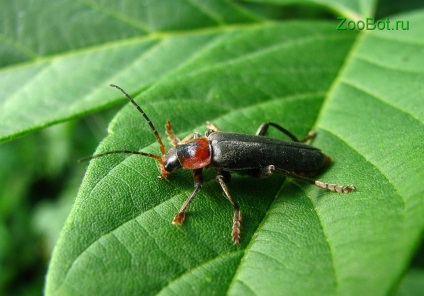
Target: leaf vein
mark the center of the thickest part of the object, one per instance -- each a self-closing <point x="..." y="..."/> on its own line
<point x="378" y="63"/>
<point x="388" y="103"/>
<point x="264" y="51"/>
<point x="326" y="240"/>
<point x="122" y="18"/>
<point x="398" y="195"/>
<point x="209" y="14"/>
<point x="387" y="37"/>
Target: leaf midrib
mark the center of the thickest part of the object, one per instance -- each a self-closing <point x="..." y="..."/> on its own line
<point x="164" y="35"/>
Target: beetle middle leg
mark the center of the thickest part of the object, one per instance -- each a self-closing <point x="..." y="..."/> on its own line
<point x="270" y="169"/>
<point x="237" y="214"/>
<point x="263" y="128"/>
<point x="198" y="182"/>
<point x="211" y="128"/>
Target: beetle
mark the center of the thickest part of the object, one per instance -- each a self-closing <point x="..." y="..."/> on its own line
<point x="254" y="155"/>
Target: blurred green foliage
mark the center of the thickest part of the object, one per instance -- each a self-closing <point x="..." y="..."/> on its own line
<point x="39" y="177"/>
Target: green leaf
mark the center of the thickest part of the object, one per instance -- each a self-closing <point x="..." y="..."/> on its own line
<point x="353" y="9"/>
<point x="357" y="244"/>
<point x="212" y="60"/>
<point x="56" y="70"/>
<point x="92" y="23"/>
<point x="412" y="284"/>
<point x="123" y="212"/>
<point x="297" y="238"/>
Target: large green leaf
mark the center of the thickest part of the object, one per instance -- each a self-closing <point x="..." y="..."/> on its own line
<point x="367" y="106"/>
<point x="57" y="56"/>
<point x="192" y="61"/>
<point x="353" y="9"/>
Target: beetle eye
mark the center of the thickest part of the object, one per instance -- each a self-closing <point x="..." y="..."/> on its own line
<point x="171" y="162"/>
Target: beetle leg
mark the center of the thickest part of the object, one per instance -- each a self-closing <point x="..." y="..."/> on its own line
<point x="174" y="140"/>
<point x="189" y="138"/>
<point x="270" y="169"/>
<point x="211" y="126"/>
<point x="309" y="136"/>
<point x="263" y="128"/>
<point x="237" y="214"/>
<point x="198" y="182"/>
<point x="171" y="135"/>
<point x="226" y="175"/>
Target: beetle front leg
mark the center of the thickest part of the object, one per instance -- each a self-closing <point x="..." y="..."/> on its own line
<point x="270" y="169"/>
<point x="173" y="138"/>
<point x="198" y="182"/>
<point x="237" y="214"/>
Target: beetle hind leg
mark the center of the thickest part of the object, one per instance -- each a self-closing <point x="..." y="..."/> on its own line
<point x="270" y="169"/>
<point x="310" y="135"/>
<point x="263" y="128"/>
<point x="334" y="187"/>
<point x="235" y="233"/>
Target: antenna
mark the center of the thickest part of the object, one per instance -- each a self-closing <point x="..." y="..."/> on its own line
<point x="122" y="152"/>
<point x="162" y="146"/>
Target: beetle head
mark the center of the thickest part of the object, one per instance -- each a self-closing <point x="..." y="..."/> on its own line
<point x="170" y="162"/>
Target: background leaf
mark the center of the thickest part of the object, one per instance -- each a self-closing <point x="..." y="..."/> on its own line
<point x="147" y="205"/>
<point x="323" y="234"/>
<point x="47" y="82"/>
<point x="192" y="61"/>
<point x="354" y="10"/>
